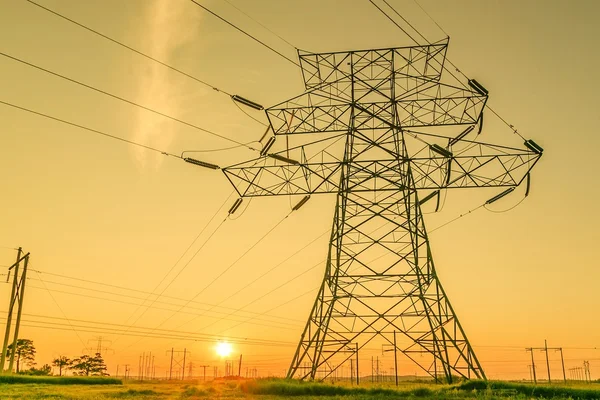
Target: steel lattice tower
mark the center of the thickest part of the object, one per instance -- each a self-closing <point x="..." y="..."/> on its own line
<point x="380" y="130"/>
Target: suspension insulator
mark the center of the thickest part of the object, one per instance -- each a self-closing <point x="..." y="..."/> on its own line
<point x="499" y="196"/>
<point x="429" y="197"/>
<point x="480" y="123"/>
<point x="301" y="203"/>
<point x="284" y="159"/>
<point x="201" y="163"/>
<point x="267" y="147"/>
<point x="440" y="150"/>
<point x="461" y="136"/>
<point x="478" y="87"/>
<point x="247" y="102"/>
<point x="533" y="146"/>
<point x="235" y="205"/>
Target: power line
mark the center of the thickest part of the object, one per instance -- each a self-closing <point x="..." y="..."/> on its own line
<point x="258" y="22"/>
<point x="392" y="20"/>
<point x="512" y="127"/>
<point x="152" y="336"/>
<point x="138" y="291"/>
<point x="140" y="298"/>
<point x="224" y="271"/>
<point x="269" y="271"/>
<point x="180" y="271"/>
<point x="62" y="312"/>
<point x="245" y="33"/>
<point x="269" y="292"/>
<point x="431" y="18"/>
<point x="180" y="258"/>
<point x="89" y="129"/>
<point x="114" y="96"/>
<point x="154" y="307"/>
<point x="128" y="47"/>
<point x="166" y="331"/>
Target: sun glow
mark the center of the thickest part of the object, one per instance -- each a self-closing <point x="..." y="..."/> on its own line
<point x="223" y="349"/>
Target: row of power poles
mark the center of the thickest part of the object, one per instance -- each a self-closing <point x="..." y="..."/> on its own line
<point x="545" y="349"/>
<point x="577" y="373"/>
<point x="16" y="301"/>
<point x="581" y="373"/>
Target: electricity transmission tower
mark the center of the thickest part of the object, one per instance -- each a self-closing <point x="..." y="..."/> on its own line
<point x="380" y="129"/>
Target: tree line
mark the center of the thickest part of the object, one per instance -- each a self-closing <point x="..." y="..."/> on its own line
<point x="84" y="365"/>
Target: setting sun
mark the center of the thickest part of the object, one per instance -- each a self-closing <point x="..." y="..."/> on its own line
<point x="223" y="349"/>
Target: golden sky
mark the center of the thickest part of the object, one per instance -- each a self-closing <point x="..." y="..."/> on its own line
<point x="98" y="210"/>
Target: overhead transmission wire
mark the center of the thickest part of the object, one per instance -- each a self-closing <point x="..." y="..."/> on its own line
<point x="62" y="311"/>
<point x="141" y="298"/>
<point x="265" y="273"/>
<point x="224" y="271"/>
<point x="259" y="23"/>
<point x="129" y="47"/>
<point x="179" y="260"/>
<point x="269" y="324"/>
<point x="131" y="142"/>
<point x="149" y="57"/>
<point x="431" y="18"/>
<point x="164" y="334"/>
<point x="245" y="33"/>
<point x="185" y="266"/>
<point x="139" y="329"/>
<point x="129" y="289"/>
<point x="133" y="103"/>
<point x="512" y="127"/>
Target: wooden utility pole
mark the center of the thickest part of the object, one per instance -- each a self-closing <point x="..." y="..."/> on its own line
<point x="20" y="294"/>
<point x="562" y="360"/>
<point x="547" y="360"/>
<point x="171" y="366"/>
<point x="183" y="366"/>
<point x="357" y="381"/>
<point x="240" y="367"/>
<point x="204" y="371"/>
<point x="532" y="364"/>
<point x="10" y="308"/>
<point x="396" y="359"/>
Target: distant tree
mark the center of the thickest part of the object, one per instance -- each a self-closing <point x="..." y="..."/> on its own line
<point x="44" y="370"/>
<point x="89" y="365"/>
<point x="24" y="353"/>
<point x="62" y="362"/>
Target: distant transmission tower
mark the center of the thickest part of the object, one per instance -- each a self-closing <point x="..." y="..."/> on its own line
<point x="380" y="130"/>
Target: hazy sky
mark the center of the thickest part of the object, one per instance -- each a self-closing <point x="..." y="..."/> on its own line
<point x="95" y="209"/>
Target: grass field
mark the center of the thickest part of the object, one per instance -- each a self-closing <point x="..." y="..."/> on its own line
<point x="270" y="389"/>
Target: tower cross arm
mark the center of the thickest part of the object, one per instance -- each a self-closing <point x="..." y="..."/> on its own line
<point x="275" y="175"/>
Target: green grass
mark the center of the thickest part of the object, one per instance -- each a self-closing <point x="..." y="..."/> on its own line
<point x="276" y="389"/>
<point x="292" y="388"/>
<point x="58" y="380"/>
<point x="533" y="391"/>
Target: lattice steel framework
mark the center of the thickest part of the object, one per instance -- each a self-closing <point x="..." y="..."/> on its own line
<point x="379" y="129"/>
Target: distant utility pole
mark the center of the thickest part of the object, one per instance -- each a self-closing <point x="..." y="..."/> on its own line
<point x="531" y="372"/>
<point x="178" y="361"/>
<point x="16" y="300"/>
<point x="204" y="371"/>
<point x="99" y="349"/>
<point x="545" y="349"/>
<point x="395" y="357"/>
<point x="126" y="371"/>
<point x="586" y="367"/>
